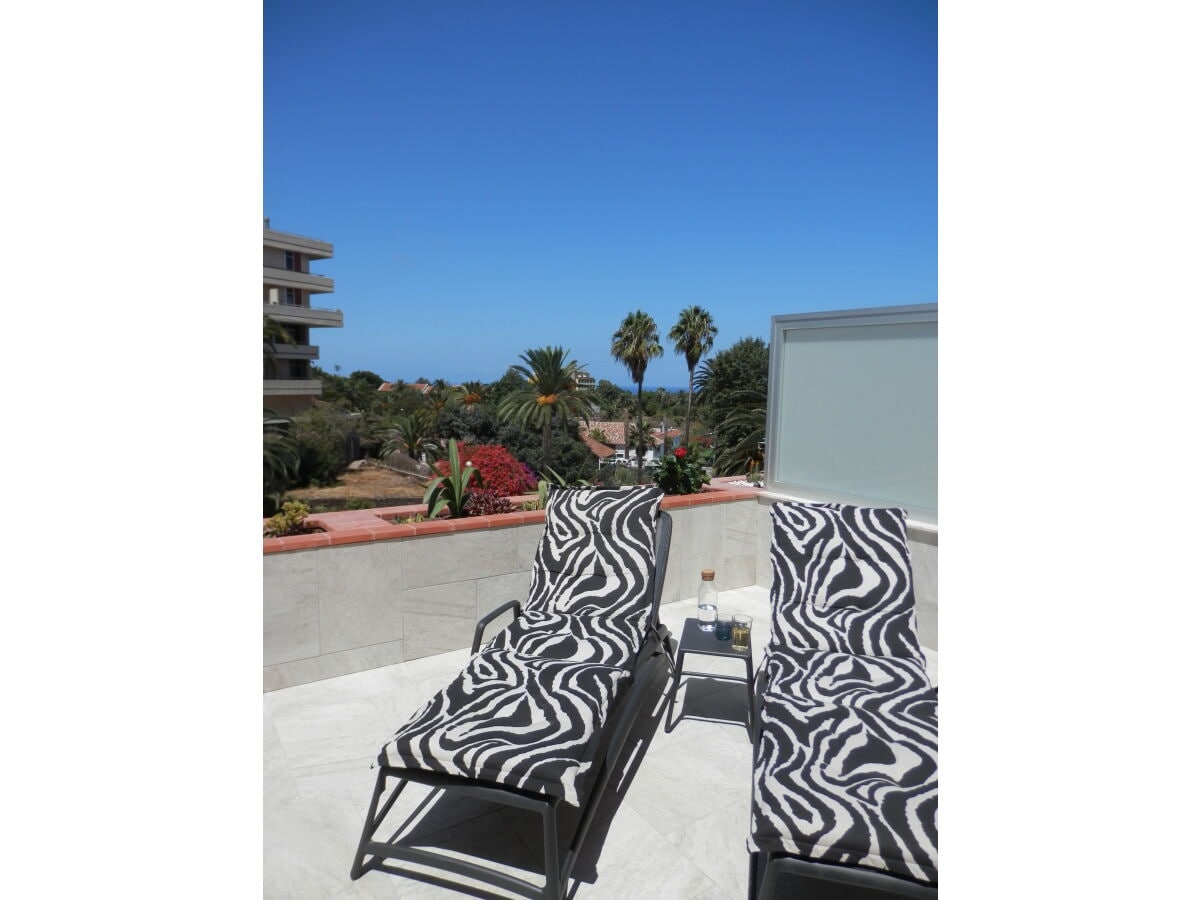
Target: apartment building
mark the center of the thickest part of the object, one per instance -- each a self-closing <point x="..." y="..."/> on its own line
<point x="288" y="290"/>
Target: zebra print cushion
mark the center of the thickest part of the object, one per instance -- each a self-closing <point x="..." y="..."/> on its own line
<point x="826" y="678"/>
<point x="596" y="556"/>
<point x="849" y="785"/>
<point x="842" y="580"/>
<point x="514" y="720"/>
<point x="602" y="640"/>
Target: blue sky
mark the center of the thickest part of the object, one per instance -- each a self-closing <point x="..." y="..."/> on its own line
<point x="496" y="177"/>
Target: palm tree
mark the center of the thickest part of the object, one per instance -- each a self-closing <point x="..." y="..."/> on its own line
<point x="634" y="344"/>
<point x="281" y="459"/>
<point x="409" y="432"/>
<point x="273" y="331"/>
<point x="441" y="394"/>
<point x="741" y="433"/>
<point x="638" y="438"/>
<point x="693" y="336"/>
<point x="550" y="389"/>
<point x="473" y="393"/>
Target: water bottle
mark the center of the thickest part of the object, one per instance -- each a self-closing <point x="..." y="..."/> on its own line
<point x="706" y="600"/>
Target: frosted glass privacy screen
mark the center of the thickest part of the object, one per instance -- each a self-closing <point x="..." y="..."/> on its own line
<point x="853" y="407"/>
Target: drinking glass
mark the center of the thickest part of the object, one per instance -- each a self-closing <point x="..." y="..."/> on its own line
<point x="724" y="626"/>
<point x="741" y="632"/>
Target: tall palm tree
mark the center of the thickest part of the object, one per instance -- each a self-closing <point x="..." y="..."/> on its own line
<point x="441" y="394"/>
<point x="549" y="390"/>
<point x="693" y="336"/>
<point x="634" y="344"/>
<point x="473" y="393"/>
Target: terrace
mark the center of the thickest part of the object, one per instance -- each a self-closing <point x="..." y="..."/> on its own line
<point x="674" y="823"/>
<point x="362" y="624"/>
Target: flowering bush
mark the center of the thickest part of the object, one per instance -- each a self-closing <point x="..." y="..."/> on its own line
<point x="680" y="474"/>
<point x="500" y="471"/>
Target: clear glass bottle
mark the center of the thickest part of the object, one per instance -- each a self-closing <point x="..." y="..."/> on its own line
<point x="706" y="600"/>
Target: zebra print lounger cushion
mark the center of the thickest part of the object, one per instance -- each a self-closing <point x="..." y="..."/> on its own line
<point x="842" y="580"/>
<point x="603" y="640"/>
<point x="826" y="678"/>
<point x="853" y="786"/>
<point x="596" y="556"/>
<point x="514" y="720"/>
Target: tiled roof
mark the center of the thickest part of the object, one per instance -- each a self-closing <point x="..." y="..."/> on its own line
<point x="614" y="432"/>
<point x="603" y="451"/>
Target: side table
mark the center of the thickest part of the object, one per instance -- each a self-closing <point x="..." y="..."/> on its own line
<point x="705" y="643"/>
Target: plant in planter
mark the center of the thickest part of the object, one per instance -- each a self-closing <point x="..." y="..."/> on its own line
<point x="487" y="502"/>
<point x="289" y="520"/>
<point x="548" y="478"/>
<point x="451" y="490"/>
<point x="498" y="469"/>
<point x="680" y="474"/>
<point x="754" y="474"/>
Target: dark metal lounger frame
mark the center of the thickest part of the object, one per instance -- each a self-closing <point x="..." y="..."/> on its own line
<point x="654" y="649"/>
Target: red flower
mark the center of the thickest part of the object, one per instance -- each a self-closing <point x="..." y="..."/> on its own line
<point x="680" y="452"/>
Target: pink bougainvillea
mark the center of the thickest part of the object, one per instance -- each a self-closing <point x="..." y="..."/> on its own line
<point x="500" y="470"/>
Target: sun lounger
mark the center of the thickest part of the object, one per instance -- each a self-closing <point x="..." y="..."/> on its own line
<point x="845" y="762"/>
<point x="537" y="717"/>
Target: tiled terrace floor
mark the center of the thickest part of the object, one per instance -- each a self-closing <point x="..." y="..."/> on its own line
<point x="673" y="826"/>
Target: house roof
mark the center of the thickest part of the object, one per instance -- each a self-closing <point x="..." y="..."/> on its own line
<point x="603" y="451"/>
<point x="614" y="433"/>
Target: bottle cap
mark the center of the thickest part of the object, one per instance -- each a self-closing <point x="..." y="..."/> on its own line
<point x="708" y="574"/>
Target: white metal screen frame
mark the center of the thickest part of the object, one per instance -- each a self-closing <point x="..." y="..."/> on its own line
<point x="780" y="325"/>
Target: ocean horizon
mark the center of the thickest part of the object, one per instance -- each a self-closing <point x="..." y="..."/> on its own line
<point x="647" y="389"/>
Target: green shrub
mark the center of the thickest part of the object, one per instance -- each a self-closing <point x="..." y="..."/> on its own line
<point x="359" y="503"/>
<point x="289" y="520"/>
<point x="679" y="474"/>
<point x="325" y="438"/>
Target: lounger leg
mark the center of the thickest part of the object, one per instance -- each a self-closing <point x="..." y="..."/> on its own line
<point x="357" y="870"/>
<point x="770" y="876"/>
<point x="678" y="672"/>
<point x="375" y="817"/>
<point x="752" y="891"/>
<point x="553" y="889"/>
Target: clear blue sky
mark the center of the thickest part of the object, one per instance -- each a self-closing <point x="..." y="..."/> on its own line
<point x="500" y="176"/>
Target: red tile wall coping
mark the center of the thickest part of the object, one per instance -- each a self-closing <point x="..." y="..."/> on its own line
<point x="360" y="526"/>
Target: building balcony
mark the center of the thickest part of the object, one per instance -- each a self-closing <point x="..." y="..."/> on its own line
<point x="312" y="316"/>
<point x="296" y="351"/>
<point x="297" y="243"/>
<point x="291" y="387"/>
<point x="289" y="278"/>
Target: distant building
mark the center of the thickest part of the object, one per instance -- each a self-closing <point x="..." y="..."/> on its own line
<point x="584" y="381"/>
<point x="288" y="288"/>
<point x="612" y="442"/>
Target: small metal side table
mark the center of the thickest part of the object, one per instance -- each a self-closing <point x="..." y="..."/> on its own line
<point x="705" y="643"/>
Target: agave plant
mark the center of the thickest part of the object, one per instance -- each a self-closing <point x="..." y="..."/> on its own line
<point x="450" y="491"/>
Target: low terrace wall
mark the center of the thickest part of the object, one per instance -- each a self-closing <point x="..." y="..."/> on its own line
<point x="368" y="593"/>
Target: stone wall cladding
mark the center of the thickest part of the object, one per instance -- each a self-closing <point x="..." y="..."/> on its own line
<point x="367" y="593"/>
